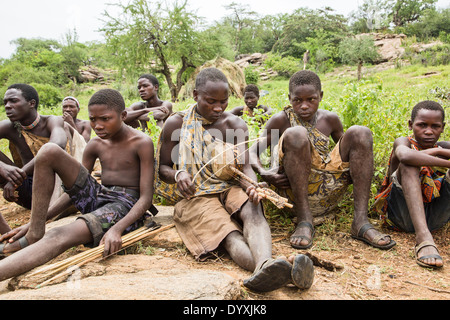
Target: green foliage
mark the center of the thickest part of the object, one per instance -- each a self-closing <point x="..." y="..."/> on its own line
<point x="358" y="49"/>
<point x="431" y="24"/>
<point x="285" y="66"/>
<point x="152" y="37"/>
<point x="407" y="11"/>
<point x="251" y="75"/>
<point x="305" y="23"/>
<point x="49" y="96"/>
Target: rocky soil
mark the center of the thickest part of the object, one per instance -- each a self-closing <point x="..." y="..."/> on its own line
<point x="161" y="268"/>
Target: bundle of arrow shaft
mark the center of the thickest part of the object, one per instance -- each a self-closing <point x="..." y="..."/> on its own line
<point x="266" y="193"/>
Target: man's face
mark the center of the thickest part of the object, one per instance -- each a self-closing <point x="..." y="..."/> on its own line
<point x="16" y="106"/>
<point x="427" y="127"/>
<point x="251" y="100"/>
<point x="70" y="107"/>
<point x="212" y="100"/>
<point x="305" y="100"/>
<point x="105" y="122"/>
<point x="146" y="89"/>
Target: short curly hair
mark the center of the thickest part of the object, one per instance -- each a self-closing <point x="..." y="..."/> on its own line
<point x="209" y="74"/>
<point x="28" y="92"/>
<point x="151" y="78"/>
<point x="252" y="88"/>
<point x="428" y="105"/>
<point x="303" y="77"/>
<point x="110" y="97"/>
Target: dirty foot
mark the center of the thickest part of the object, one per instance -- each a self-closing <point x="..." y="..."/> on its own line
<point x="302" y="238"/>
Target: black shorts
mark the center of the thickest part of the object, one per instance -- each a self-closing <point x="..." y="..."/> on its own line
<point x="437" y="212"/>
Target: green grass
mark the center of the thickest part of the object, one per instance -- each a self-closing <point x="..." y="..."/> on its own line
<point x="381" y="101"/>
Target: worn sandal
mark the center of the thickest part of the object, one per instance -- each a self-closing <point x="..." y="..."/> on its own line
<point x="374" y="243"/>
<point x="420" y="260"/>
<point x="302" y="272"/>
<point x="23" y="242"/>
<point x="310" y="240"/>
<point x="270" y="275"/>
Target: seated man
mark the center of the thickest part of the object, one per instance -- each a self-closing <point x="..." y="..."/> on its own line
<point x="415" y="194"/>
<point x="314" y="177"/>
<point x="137" y="113"/>
<point x="251" y="98"/>
<point x="212" y="209"/>
<point x="27" y="131"/>
<point x="71" y="108"/>
<point x="109" y="209"/>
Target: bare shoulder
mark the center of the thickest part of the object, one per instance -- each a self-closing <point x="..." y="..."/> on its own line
<point x="53" y="121"/>
<point x="167" y="104"/>
<point x="329" y="116"/>
<point x="137" y="106"/>
<point x="6" y="128"/>
<point x="402" y="141"/>
<point x="175" y="121"/>
<point x="237" y="110"/>
<point x="232" y="121"/>
<point x="278" y="121"/>
<point x="444" y="144"/>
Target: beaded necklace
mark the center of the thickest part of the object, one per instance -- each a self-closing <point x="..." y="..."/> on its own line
<point x="34" y="124"/>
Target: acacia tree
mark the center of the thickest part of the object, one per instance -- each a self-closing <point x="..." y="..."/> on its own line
<point x="154" y="37"/>
<point x="357" y="50"/>
<point x="406" y="11"/>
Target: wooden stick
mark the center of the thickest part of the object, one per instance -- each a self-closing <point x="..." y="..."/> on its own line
<point x="263" y="192"/>
<point x="95" y="253"/>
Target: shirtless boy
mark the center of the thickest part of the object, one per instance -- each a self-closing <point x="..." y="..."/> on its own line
<point x="71" y="108"/>
<point x="416" y="191"/>
<point x="137" y="113"/>
<point x="26" y="131"/>
<point x="315" y="177"/>
<point x="109" y="210"/>
<point x="251" y="98"/>
<point x="213" y="210"/>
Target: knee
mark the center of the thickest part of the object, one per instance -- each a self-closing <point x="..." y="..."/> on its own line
<point x="360" y="135"/>
<point x="295" y="138"/>
<point x="48" y="152"/>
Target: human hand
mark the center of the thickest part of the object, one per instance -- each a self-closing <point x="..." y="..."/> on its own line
<point x="13" y="175"/>
<point x="253" y="195"/>
<point x="9" y="192"/>
<point x="15" y="234"/>
<point x="185" y="185"/>
<point x="279" y="180"/>
<point x="67" y="117"/>
<point x="112" y="241"/>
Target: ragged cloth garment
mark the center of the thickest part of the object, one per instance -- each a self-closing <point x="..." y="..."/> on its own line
<point x="196" y="148"/>
<point x="431" y="179"/>
<point x="329" y="177"/>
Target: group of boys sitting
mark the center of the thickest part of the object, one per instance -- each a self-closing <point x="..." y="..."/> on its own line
<point x="212" y="209"/>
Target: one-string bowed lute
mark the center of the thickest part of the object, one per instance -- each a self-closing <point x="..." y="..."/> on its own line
<point x="225" y="165"/>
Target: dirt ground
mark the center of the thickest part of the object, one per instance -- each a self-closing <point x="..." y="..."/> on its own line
<point x="350" y="268"/>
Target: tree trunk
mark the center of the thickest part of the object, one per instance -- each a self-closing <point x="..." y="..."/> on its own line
<point x="360" y="64"/>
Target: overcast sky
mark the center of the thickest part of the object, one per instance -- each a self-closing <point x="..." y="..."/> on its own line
<point x="52" y="19"/>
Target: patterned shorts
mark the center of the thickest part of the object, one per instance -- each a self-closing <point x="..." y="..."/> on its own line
<point x="102" y="206"/>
